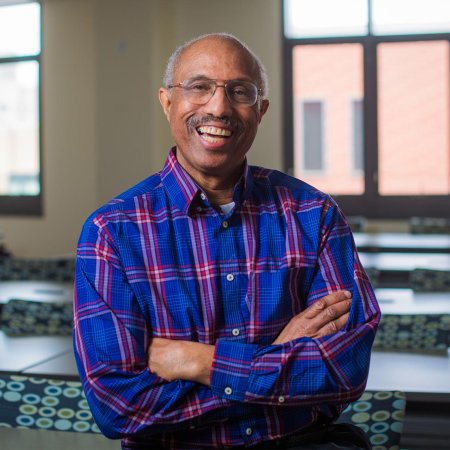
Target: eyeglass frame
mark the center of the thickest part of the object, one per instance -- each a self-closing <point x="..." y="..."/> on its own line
<point x="181" y="85"/>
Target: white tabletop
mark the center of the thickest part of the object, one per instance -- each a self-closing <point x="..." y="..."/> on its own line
<point x="405" y="241"/>
<point x="405" y="261"/>
<point x="45" y="291"/>
<point x="406" y="301"/>
<point x="19" y="353"/>
<point x="409" y="372"/>
<point x="61" y="365"/>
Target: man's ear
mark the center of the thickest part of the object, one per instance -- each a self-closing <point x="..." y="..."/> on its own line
<point x="263" y="108"/>
<point x="164" y="99"/>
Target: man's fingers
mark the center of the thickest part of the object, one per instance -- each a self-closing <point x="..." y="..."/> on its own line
<point x="333" y="326"/>
<point x="326" y="302"/>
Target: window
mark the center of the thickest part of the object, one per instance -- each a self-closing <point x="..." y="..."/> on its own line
<point x="312" y="132"/>
<point x="20" y="159"/>
<point x="367" y="103"/>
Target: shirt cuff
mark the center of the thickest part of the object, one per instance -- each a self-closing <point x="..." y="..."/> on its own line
<point x="231" y="369"/>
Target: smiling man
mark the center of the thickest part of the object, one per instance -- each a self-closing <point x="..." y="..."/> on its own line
<point x="218" y="304"/>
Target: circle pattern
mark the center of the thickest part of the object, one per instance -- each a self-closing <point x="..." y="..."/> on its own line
<point x="380" y="415"/>
<point x="46" y="404"/>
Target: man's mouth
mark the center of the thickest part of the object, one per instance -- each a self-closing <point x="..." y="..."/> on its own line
<point x="213" y="134"/>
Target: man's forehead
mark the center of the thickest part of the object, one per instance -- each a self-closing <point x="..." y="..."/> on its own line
<point x="209" y="51"/>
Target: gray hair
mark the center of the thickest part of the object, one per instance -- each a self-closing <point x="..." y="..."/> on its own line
<point x="175" y="57"/>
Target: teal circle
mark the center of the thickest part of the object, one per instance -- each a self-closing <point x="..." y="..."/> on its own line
<point x="56" y="382"/>
<point x="83" y="404"/>
<point x="71" y="392"/>
<point x="50" y="401"/>
<point x="31" y="399"/>
<point x="44" y="422"/>
<point x="65" y="413"/>
<point x="378" y="439"/>
<point x="2" y="384"/>
<point x="83" y="415"/>
<point x="37" y="380"/>
<point x="381" y="415"/>
<point x="398" y="415"/>
<point x="380" y="427"/>
<point x="63" y="424"/>
<point x="12" y="396"/>
<point x="81" y="426"/>
<point x="360" y="417"/>
<point x="47" y="411"/>
<point x="362" y="406"/>
<point x="383" y="395"/>
<point x="397" y="427"/>
<point x="52" y="390"/>
<point x="95" y="428"/>
<point x="399" y="404"/>
<point x="25" y="421"/>
<point x="5" y="425"/>
<point x="15" y="386"/>
<point x="28" y="409"/>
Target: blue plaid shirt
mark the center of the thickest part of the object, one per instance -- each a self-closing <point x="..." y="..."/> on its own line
<point x="160" y="260"/>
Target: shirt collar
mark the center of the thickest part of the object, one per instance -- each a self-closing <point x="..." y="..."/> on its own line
<point x="183" y="190"/>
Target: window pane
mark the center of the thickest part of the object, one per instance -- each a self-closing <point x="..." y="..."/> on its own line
<point x="312" y="136"/>
<point x="330" y="76"/>
<point x="308" y="18"/>
<point x="358" y="134"/>
<point x="410" y="16"/>
<point x="19" y="132"/>
<point x="413" y="110"/>
<point x="20" y="30"/>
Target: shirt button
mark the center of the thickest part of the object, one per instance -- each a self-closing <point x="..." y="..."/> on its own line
<point x="281" y="399"/>
<point x="203" y="196"/>
<point x="235" y="332"/>
<point x="230" y="277"/>
<point x="225" y="224"/>
<point x="228" y="391"/>
<point x="199" y="209"/>
<point x="248" y="431"/>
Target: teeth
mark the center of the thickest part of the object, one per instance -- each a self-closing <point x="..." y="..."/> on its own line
<point x="214" y="131"/>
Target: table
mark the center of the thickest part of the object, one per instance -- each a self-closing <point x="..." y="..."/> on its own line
<point x="402" y="242"/>
<point x="405" y="262"/>
<point x="409" y="372"/>
<point x="45" y="291"/>
<point x="17" y="353"/>
<point x="60" y="366"/>
<point x="406" y="301"/>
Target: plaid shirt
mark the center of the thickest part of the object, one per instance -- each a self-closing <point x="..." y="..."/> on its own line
<point x="159" y="260"/>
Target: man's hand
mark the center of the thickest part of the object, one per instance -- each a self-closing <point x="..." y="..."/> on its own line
<point x="184" y="360"/>
<point x="326" y="316"/>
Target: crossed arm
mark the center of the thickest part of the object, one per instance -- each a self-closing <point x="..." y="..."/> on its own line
<point x="192" y="361"/>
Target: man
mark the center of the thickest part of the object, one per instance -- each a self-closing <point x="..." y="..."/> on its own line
<point x="220" y="305"/>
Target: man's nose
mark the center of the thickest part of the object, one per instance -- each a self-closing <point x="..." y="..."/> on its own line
<point x="219" y="104"/>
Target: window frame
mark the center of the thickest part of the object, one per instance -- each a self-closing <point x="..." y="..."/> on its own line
<point x="27" y="205"/>
<point x="370" y="204"/>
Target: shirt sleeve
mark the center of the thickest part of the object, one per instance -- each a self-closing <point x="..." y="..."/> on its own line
<point x="331" y="369"/>
<point x="111" y="338"/>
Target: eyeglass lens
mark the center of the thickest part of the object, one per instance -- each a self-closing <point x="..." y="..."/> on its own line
<point x="237" y="91"/>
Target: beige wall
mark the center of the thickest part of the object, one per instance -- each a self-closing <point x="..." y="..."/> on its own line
<point x="102" y="127"/>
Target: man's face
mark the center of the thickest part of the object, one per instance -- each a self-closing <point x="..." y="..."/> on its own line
<point x="212" y="139"/>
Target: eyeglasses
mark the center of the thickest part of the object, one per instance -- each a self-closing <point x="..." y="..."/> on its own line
<point x="200" y="91"/>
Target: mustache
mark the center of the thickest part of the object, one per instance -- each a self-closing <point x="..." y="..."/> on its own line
<point x="229" y="122"/>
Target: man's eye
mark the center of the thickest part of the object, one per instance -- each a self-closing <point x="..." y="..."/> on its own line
<point x="240" y="91"/>
<point x="199" y="87"/>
